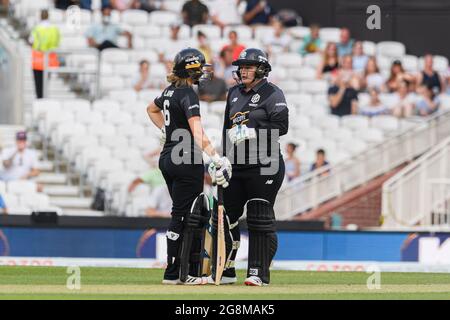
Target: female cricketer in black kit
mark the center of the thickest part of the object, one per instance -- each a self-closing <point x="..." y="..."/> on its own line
<point x="256" y="115"/>
<point x="177" y="113"/>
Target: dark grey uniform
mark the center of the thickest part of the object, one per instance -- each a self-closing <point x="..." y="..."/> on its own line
<point x="258" y="166"/>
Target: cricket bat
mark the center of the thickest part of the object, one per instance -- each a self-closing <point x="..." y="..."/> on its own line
<point x="221" y="254"/>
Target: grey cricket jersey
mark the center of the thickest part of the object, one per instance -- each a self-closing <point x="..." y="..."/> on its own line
<point x="263" y="108"/>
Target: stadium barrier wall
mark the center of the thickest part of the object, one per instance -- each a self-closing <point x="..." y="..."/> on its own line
<point x="149" y="242"/>
<point x="11" y="80"/>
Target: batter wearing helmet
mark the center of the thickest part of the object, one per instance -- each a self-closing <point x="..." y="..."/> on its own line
<point x="177" y="113"/>
<point x="256" y="115"/>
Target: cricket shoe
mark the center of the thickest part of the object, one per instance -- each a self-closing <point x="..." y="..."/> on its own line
<point x="224" y="280"/>
<point x="190" y="281"/>
<point x="171" y="282"/>
<point x="254" y="281"/>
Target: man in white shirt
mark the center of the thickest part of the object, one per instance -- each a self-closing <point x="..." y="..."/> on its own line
<point x="19" y="162"/>
<point x="225" y="12"/>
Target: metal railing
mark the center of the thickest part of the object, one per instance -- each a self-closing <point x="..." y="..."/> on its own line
<point x="72" y="70"/>
<point x="419" y="194"/>
<point x="309" y="191"/>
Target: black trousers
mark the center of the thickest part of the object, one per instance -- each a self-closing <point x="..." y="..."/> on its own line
<point x="185" y="183"/>
<point x="105" y="45"/>
<point x="249" y="183"/>
<point x="39" y="83"/>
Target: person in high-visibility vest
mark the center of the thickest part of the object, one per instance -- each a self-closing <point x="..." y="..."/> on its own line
<point x="44" y="37"/>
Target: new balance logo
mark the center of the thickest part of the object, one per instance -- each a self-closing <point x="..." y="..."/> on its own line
<point x="253" y="272"/>
<point x="234" y="100"/>
<point x="269" y="181"/>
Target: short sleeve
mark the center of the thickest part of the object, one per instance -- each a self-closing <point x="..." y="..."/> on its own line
<point x="333" y="90"/>
<point x="190" y="104"/>
<point x="159" y="101"/>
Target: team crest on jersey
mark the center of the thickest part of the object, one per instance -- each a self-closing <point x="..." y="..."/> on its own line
<point x="256" y="98"/>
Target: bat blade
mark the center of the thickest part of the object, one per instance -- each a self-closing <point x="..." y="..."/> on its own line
<point x="221" y="254"/>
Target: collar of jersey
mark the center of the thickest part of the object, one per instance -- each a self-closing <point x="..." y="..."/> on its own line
<point x="255" y="88"/>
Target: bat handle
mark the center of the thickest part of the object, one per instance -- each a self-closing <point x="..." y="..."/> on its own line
<point x="220" y="195"/>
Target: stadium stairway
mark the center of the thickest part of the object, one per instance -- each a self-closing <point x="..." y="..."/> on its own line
<point x="60" y="184"/>
<point x="360" y="206"/>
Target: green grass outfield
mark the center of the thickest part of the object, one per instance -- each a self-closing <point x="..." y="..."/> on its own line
<point x="122" y="283"/>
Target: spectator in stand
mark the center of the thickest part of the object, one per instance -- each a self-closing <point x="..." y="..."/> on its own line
<point x="143" y="81"/>
<point x="292" y="162"/>
<point x="122" y="5"/>
<point x="160" y="198"/>
<point x="278" y="41"/>
<point x="320" y="162"/>
<point x="3" y="208"/>
<point x="234" y="44"/>
<point x="224" y="68"/>
<point x="347" y="72"/>
<point x="430" y="77"/>
<point x="225" y="12"/>
<point x="203" y="46"/>
<point x="174" y="44"/>
<point x="359" y="58"/>
<point x="258" y="12"/>
<point x="105" y="35"/>
<point x="343" y="98"/>
<point x="374" y="107"/>
<point x="194" y="12"/>
<point x="397" y="75"/>
<point x="372" y="76"/>
<point x="330" y="62"/>
<point x="64" y="4"/>
<point x="427" y="102"/>
<point x="19" y="162"/>
<point x="311" y="43"/>
<point x="404" y="105"/>
<point x="345" y="45"/>
<point x="213" y="90"/>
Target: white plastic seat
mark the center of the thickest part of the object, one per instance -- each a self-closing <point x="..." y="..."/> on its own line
<point x="73" y="43"/>
<point x="2" y="187"/>
<point x="56" y="16"/>
<point x="102" y="130"/>
<point x="138" y="55"/>
<point x="148" y="95"/>
<point x="21" y="187"/>
<point x="326" y="144"/>
<point x="289" y="59"/>
<point x="111" y="83"/>
<point x="385" y="123"/>
<point x="289" y="86"/>
<point x="211" y="31"/>
<point x="134" y="17"/>
<point x="337" y="156"/>
<point x="119" y="118"/>
<point x="35" y="201"/>
<point x="147" y="31"/>
<point x="300" y="122"/>
<point x="76" y="143"/>
<point x="114" y="141"/>
<point x="370" y="135"/>
<point x="299" y="32"/>
<point x="102" y="167"/>
<point x="126" y="154"/>
<point x="354" y="146"/>
<point x="106" y="105"/>
<point x="52" y="119"/>
<point x="303" y="73"/>
<point x="65" y="130"/>
<point x="329" y="121"/>
<point x="392" y="49"/>
<point x="369" y="48"/>
<point x="76" y="105"/>
<point x="312" y="133"/>
<point x="131" y="130"/>
<point x="114" y="55"/>
<point x="163" y="18"/>
<point x="244" y="32"/>
<point x="89" y="156"/>
<point x="42" y="106"/>
<point x="330" y="34"/>
<point x="355" y="122"/>
<point x="339" y="134"/>
<point x="262" y="32"/>
<point x="314" y="86"/>
<point x="410" y="63"/>
<point x="91" y="118"/>
<point x="126" y="69"/>
<point x="11" y="200"/>
<point x="299" y="99"/>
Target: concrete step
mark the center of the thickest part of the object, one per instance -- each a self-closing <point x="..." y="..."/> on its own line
<point x="52" y="178"/>
<point x="45" y="166"/>
<point x="62" y="191"/>
<point x="71" y="203"/>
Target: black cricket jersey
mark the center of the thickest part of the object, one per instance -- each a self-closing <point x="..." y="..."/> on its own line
<point x="262" y="107"/>
<point x="178" y="105"/>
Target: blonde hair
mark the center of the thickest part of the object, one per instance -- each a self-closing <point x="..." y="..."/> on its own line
<point x="177" y="81"/>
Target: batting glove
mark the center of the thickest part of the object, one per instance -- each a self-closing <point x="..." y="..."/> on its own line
<point x="162" y="136"/>
<point x="240" y="133"/>
<point x="212" y="173"/>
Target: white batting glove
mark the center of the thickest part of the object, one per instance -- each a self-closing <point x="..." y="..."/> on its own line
<point x="222" y="171"/>
<point x="240" y="133"/>
<point x="212" y="173"/>
<point x="162" y="136"/>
